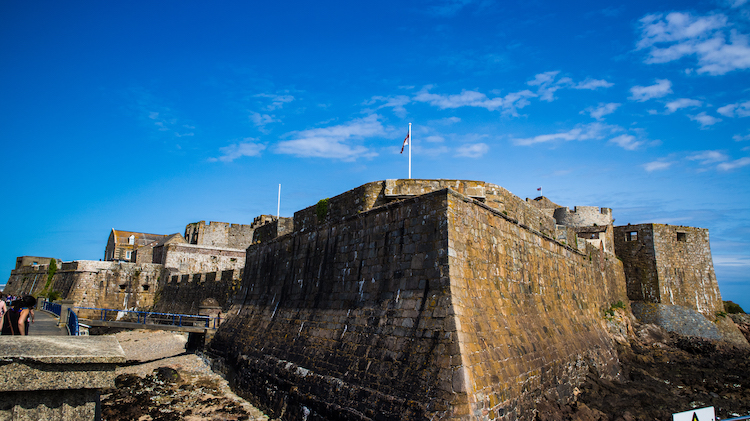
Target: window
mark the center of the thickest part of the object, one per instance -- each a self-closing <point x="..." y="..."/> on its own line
<point x="128" y="254"/>
<point x="682" y="237"/>
<point x="131" y="239"/>
<point x="631" y="236"/>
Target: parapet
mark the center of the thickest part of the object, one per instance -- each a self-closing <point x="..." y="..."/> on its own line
<point x="583" y="216"/>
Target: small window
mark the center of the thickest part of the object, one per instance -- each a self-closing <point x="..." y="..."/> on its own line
<point x="631" y="236"/>
<point x="131" y="239"/>
<point x="128" y="254"/>
<point x="123" y="286"/>
<point x="145" y="287"/>
<point x="682" y="237"/>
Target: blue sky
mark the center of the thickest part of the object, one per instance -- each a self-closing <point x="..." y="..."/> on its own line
<point x="146" y="116"/>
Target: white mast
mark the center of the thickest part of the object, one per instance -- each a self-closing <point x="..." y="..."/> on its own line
<point x="278" y="206"/>
<point x="410" y="139"/>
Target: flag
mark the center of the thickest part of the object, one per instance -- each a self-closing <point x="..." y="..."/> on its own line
<point x="406" y="142"/>
<point x="539" y="189"/>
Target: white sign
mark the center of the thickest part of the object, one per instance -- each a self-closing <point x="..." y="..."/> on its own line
<point x="703" y="414"/>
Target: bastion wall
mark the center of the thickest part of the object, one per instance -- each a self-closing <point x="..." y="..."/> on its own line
<point x="432" y="307"/>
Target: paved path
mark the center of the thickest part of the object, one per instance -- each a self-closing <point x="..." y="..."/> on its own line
<point x="45" y="324"/>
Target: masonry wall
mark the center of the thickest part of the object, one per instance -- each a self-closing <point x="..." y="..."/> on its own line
<point x="685" y="269"/>
<point x="528" y="312"/>
<point x="189" y="258"/>
<point x="219" y="234"/>
<point x="414" y="311"/>
<point x="639" y="258"/>
<point x="661" y="267"/>
<point x="26" y="280"/>
<point x="183" y="293"/>
<point x="116" y="285"/>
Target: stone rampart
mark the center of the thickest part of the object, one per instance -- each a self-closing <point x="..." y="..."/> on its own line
<point x="433" y="307"/>
<point x="189" y="258"/>
<point x="378" y="193"/>
<point x="26" y="280"/>
<point x="219" y="234"/>
<point x="273" y="229"/>
<point x="184" y="293"/>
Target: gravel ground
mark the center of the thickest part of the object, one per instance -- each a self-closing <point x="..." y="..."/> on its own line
<point x="162" y="382"/>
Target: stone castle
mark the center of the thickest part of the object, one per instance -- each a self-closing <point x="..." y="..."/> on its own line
<point x="414" y="299"/>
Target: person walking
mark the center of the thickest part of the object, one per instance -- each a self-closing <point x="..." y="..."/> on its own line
<point x="15" y="320"/>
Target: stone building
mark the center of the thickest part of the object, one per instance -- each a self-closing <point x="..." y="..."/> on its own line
<point x="122" y="244"/>
<point x="669" y="264"/>
<point x="223" y="234"/>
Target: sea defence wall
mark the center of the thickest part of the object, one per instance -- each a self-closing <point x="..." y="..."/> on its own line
<point x="437" y="306"/>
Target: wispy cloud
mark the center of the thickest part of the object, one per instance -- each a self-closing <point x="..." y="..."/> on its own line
<point x="661" y="88"/>
<point x="261" y="120"/>
<point x="593" y="84"/>
<point x="740" y="138"/>
<point x="735" y="110"/>
<point x="247" y="147"/>
<point x="708" y="157"/>
<point x="657" y="165"/>
<point x="601" y="110"/>
<point x="448" y="8"/>
<point x="157" y="115"/>
<point x="334" y="142"/>
<point x="509" y="103"/>
<point x="476" y="150"/>
<point x="396" y="102"/>
<point x="277" y="101"/>
<point x="585" y="132"/>
<point x="731" y="165"/>
<point x="627" y="142"/>
<point x="676" y="35"/>
<point x="704" y="119"/>
<point x="677" y="104"/>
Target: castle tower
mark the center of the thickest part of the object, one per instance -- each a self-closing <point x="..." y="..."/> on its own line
<point x="591" y="223"/>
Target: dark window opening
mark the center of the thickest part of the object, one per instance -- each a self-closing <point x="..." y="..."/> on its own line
<point x="631" y="236"/>
<point x="145" y="287"/>
<point x="682" y="236"/>
<point x="123" y="286"/>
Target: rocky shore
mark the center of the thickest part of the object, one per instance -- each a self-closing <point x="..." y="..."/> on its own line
<point x="662" y="373"/>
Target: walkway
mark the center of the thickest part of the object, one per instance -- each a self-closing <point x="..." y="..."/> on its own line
<point x="45" y="324"/>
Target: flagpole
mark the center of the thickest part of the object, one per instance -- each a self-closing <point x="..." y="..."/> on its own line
<point x="410" y="139"/>
<point x="278" y="205"/>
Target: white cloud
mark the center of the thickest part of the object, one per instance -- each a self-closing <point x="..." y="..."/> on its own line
<point x="277" y="101"/>
<point x="657" y="166"/>
<point x="245" y="148"/>
<point x="677" y="104"/>
<point x="434" y="139"/>
<point x="601" y="110"/>
<point x="261" y="120"/>
<point x="732" y="261"/>
<point x="547" y="85"/>
<point x="509" y="104"/>
<point x="704" y="119"/>
<point x="658" y="90"/>
<point x="586" y="132"/>
<point x="739" y="163"/>
<point x="334" y="142"/>
<point x="396" y="102"/>
<point x="735" y="110"/>
<point x="476" y="150"/>
<point x="708" y="157"/>
<point x="593" y="84"/>
<point x="626" y="142"/>
<point x="677" y="35"/>
<point x="740" y="138"/>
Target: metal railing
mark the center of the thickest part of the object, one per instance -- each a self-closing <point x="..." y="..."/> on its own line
<point x="144" y="317"/>
<point x="72" y="323"/>
<point x="52" y="308"/>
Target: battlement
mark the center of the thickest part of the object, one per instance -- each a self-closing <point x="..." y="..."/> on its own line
<point x="583" y="216"/>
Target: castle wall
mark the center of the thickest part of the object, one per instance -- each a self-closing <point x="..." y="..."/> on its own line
<point x="662" y="268"/>
<point x="219" y="234"/>
<point x="116" y="285"/>
<point x="189" y="258"/>
<point x="273" y="229"/>
<point x="685" y="269"/>
<point x="183" y="293"/>
<point x="528" y="312"/>
<point x="432" y="307"/>
<point x="26" y="280"/>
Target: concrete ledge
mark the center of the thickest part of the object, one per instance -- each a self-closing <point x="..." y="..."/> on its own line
<point x="56" y="377"/>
